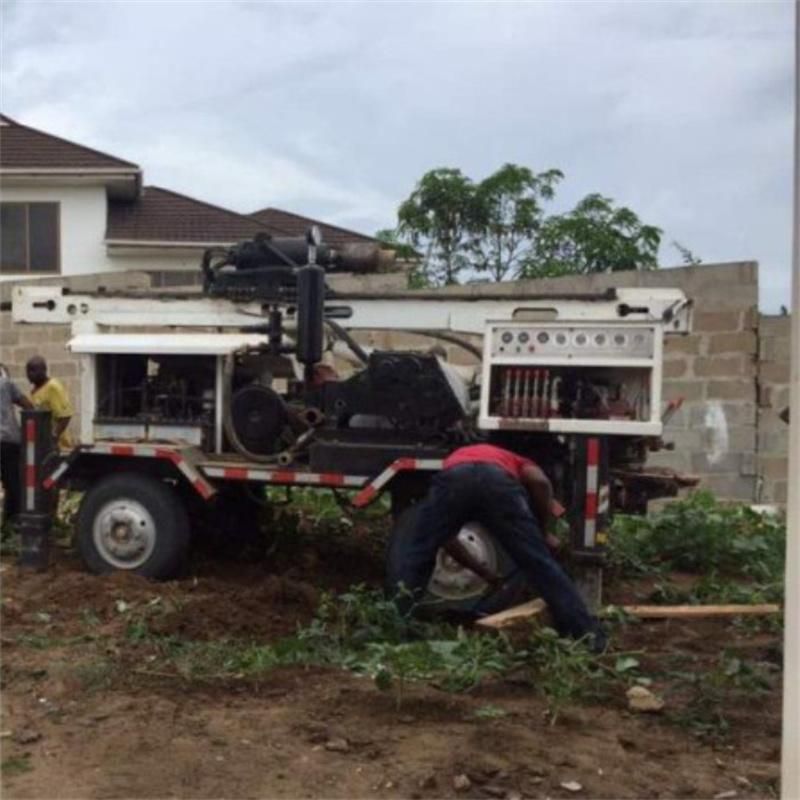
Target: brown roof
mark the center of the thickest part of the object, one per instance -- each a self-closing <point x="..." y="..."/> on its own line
<point x="159" y="215"/>
<point x="23" y="147"/>
<point x="296" y="225"/>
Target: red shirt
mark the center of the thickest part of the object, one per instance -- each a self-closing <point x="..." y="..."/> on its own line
<point x="488" y="454"/>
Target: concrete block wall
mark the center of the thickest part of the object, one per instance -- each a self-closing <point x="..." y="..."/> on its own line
<point x="774" y="366"/>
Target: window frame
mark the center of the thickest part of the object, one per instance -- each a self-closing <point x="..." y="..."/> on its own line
<point x="28" y="272"/>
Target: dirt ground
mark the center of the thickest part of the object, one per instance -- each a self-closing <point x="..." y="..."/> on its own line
<point x="84" y="717"/>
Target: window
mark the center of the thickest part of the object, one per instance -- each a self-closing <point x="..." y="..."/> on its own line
<point x="29" y="238"/>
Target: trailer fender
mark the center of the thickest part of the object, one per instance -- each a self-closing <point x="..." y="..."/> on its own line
<point x="372" y="489"/>
<point x="182" y="461"/>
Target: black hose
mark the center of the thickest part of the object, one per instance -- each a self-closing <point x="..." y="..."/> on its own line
<point x="357" y="350"/>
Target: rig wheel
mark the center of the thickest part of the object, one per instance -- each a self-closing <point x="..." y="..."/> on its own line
<point x="453" y="588"/>
<point x="133" y="523"/>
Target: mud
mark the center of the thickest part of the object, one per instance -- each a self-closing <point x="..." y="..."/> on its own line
<point x="73" y="729"/>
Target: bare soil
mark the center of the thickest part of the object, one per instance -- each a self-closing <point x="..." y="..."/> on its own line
<point x="84" y="717"/>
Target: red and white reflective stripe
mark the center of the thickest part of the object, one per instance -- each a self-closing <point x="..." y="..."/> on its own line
<point x="370" y="492"/>
<point x="590" y="512"/>
<point x="51" y="480"/>
<point x="30" y="465"/>
<point x="284" y="476"/>
<point x="200" y="484"/>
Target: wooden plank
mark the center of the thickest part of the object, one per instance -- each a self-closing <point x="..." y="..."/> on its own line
<point x="526" y="611"/>
<point x="692" y="612"/>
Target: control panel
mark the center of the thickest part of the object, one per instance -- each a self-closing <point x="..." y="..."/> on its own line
<point x="572" y="378"/>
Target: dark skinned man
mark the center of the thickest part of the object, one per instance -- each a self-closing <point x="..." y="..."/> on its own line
<point x="50" y="395"/>
<point x="512" y="497"/>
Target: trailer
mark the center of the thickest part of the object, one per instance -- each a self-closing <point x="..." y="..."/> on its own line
<point x="192" y="403"/>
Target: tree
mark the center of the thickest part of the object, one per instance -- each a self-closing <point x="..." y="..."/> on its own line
<point x="594" y="237"/>
<point x="438" y="217"/>
<point x="499" y="227"/>
<point x="507" y="218"/>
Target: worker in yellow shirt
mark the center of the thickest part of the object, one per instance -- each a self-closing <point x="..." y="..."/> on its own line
<point x="49" y="394"/>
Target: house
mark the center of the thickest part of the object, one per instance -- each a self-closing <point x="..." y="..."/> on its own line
<point x="70" y="210"/>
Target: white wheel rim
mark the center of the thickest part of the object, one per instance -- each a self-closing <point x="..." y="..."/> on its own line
<point x="124" y="533"/>
<point x="451" y="581"/>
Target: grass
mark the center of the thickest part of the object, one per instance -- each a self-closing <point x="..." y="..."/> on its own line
<point x="15" y="765"/>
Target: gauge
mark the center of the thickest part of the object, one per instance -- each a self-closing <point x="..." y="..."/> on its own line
<point x="561" y="338"/>
<point x="524" y="337"/>
<point x="543" y="337"/>
<point x="507" y="337"/>
<point x="600" y="339"/>
<point x="580" y="339"/>
<point x="619" y="339"/>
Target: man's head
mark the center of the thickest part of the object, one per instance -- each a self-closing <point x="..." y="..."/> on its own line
<point x="36" y="370"/>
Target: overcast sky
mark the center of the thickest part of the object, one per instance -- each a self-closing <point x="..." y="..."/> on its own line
<point x="682" y="111"/>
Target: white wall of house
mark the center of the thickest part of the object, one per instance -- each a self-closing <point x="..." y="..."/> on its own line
<point x="83" y="211"/>
<point x="82" y="221"/>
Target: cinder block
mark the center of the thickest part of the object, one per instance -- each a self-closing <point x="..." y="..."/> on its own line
<point x="689" y="390"/>
<point x="682" y="344"/>
<point x="735" y="414"/>
<point x="774" y="372"/>
<point x="64" y="369"/>
<point x="773" y="468"/>
<point x="750" y="318"/>
<point x="675" y="367"/>
<point x="714" y="321"/>
<point x="743" y="342"/>
<point x="733" y="389"/>
<point x="720" y="366"/>
<point x="731" y="487"/>
<point x="730" y="462"/>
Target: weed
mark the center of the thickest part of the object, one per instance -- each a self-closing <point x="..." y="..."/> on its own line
<point x="94" y="675"/>
<point x="703" y="536"/>
<point x="16" y="765"/>
<point x="715" y="691"/>
<point x="564" y="670"/>
<point x="489" y="712"/>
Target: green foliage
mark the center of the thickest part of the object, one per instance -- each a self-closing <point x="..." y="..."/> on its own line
<point x="489" y="712"/>
<point x="703" y="536"/>
<point x="714" y="692"/>
<point x="391" y="239"/>
<point x="499" y="227"/>
<point x="563" y="670"/>
<point x="438" y="217"/>
<point x="507" y="216"/>
<point x="595" y="236"/>
<point x="687" y="256"/>
<point x="16" y="765"/>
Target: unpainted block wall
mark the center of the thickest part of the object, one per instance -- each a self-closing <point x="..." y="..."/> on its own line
<point x="774" y="367"/>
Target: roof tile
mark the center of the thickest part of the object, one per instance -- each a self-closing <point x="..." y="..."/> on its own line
<point x="23" y="147"/>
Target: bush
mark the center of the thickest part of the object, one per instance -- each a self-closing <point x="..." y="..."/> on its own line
<point x="703" y="536"/>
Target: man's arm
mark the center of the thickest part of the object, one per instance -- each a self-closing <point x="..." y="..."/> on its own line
<point x="19" y="399"/>
<point x="540" y="491"/>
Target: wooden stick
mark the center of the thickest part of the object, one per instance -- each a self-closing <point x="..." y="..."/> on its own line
<point x="691" y="612"/>
<point x="537" y="608"/>
<point x="503" y="619"/>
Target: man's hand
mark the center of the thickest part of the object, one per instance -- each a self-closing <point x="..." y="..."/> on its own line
<point x="553" y="543"/>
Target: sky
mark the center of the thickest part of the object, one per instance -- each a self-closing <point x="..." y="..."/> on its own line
<point x="680" y="110"/>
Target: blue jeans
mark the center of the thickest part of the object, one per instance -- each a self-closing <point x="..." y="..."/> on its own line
<point x="488" y="494"/>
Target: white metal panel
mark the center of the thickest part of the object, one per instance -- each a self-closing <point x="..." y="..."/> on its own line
<point x="188" y="344"/>
<point x="466" y="313"/>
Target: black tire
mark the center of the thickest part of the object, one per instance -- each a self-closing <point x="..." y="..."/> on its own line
<point x="483" y="601"/>
<point x="231" y="527"/>
<point x="142" y="509"/>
